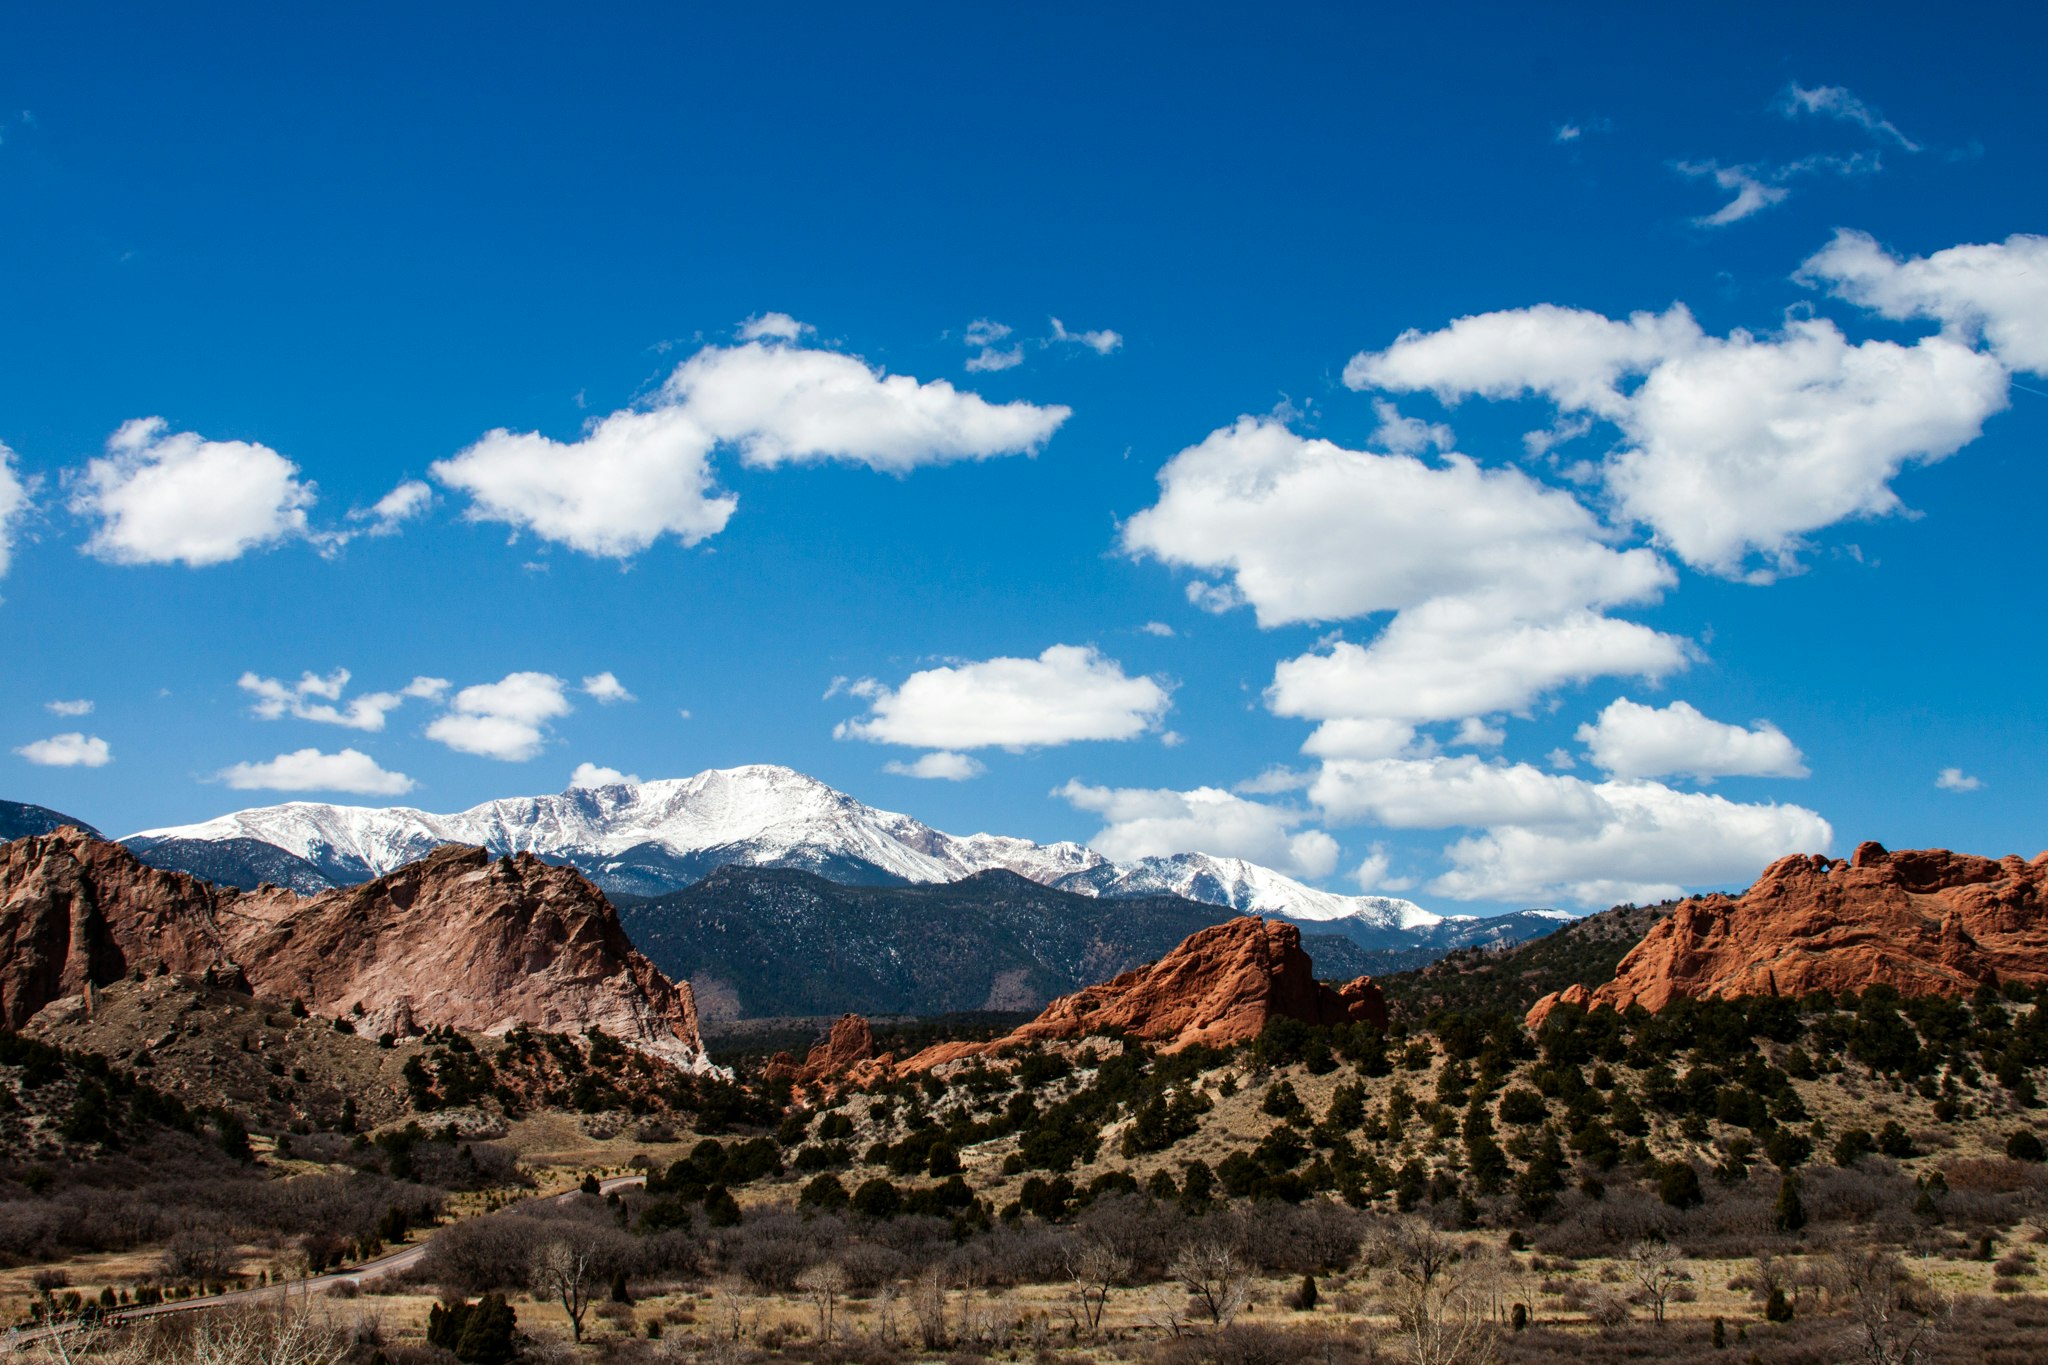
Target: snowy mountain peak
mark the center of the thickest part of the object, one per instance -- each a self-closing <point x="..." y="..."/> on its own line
<point x="647" y="837"/>
<point x="1248" y="887"/>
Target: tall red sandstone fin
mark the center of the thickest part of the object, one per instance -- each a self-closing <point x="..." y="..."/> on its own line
<point x="1220" y="986"/>
<point x="1924" y="921"/>
<point x="844" y="1056"/>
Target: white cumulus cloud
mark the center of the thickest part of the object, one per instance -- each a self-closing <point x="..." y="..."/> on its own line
<point x="14" y="505"/>
<point x="1067" y="693"/>
<point x="1286" y="516"/>
<point x="1993" y="291"/>
<point x="320" y="699"/>
<point x="1732" y="445"/>
<point x="164" y="497"/>
<point x="72" y="750"/>
<point x="941" y="765"/>
<point x="350" y="770"/>
<point x="632" y="478"/>
<point x="1437" y="792"/>
<point x="593" y="775"/>
<point x="1452" y="660"/>
<point x="1648" y="843"/>
<point x="989" y="360"/>
<point x="1956" y="780"/>
<point x="1632" y="740"/>
<point x="505" y="720"/>
<point x="407" y="501"/>
<point x="773" y="327"/>
<point x="606" y="688"/>
<point x="1541" y="836"/>
<point x="640" y="474"/>
<point x="1144" y="823"/>
<point x="786" y="405"/>
<point x="1375" y="873"/>
<point x="1408" y="435"/>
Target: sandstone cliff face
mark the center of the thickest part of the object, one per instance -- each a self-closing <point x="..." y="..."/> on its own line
<point x="1219" y="987"/>
<point x="469" y="941"/>
<point x="75" y="911"/>
<point x="458" y="939"/>
<point x="1926" y="921"/>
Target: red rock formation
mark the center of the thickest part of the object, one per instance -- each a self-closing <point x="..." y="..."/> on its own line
<point x="76" y="911"/>
<point x="846" y="1057"/>
<point x="470" y="941"/>
<point x="459" y="939"/>
<point x="1926" y="921"/>
<point x="1219" y="987"/>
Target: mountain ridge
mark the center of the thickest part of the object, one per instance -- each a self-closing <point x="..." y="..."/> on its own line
<point x="20" y="819"/>
<point x="651" y="838"/>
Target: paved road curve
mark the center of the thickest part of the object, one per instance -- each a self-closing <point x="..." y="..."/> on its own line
<point x="20" y="1339"/>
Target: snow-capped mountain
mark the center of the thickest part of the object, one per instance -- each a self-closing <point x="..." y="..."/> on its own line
<point x="1244" y="886"/>
<point x="644" y="839"/>
<point x="638" y="838"/>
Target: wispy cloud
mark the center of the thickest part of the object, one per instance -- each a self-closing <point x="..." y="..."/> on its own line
<point x="1101" y="341"/>
<point x="1838" y="103"/>
<point x="1579" y="129"/>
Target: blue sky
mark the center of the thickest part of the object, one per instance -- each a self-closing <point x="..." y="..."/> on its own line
<point x="1706" y="537"/>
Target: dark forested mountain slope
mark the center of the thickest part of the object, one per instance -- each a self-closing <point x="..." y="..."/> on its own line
<point x="18" y="820"/>
<point x="762" y="942"/>
<point x="1510" y="979"/>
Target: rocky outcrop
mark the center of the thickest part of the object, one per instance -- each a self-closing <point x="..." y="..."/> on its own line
<point x="1220" y="986"/>
<point x="846" y="1056"/>
<point x="459" y="939"/>
<point x="76" y="911"/>
<point x="465" y="940"/>
<point x="1924" y="921"/>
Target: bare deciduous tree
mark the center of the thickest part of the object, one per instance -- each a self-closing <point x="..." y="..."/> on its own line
<point x="1167" y="1310"/>
<point x="1656" y="1270"/>
<point x="733" y="1293"/>
<point x="1215" y="1275"/>
<point x="282" y="1334"/>
<point x="1093" y="1270"/>
<point x="822" y="1285"/>
<point x="566" y="1270"/>
<point x="1895" y="1314"/>
<point x="198" y="1256"/>
<point x="1439" y="1299"/>
<point x="928" y="1306"/>
<point x="885" y="1314"/>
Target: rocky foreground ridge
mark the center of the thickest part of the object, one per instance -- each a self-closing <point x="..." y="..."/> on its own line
<point x="1220" y="986"/>
<point x="459" y="939"/>
<point x="1924" y="921"/>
